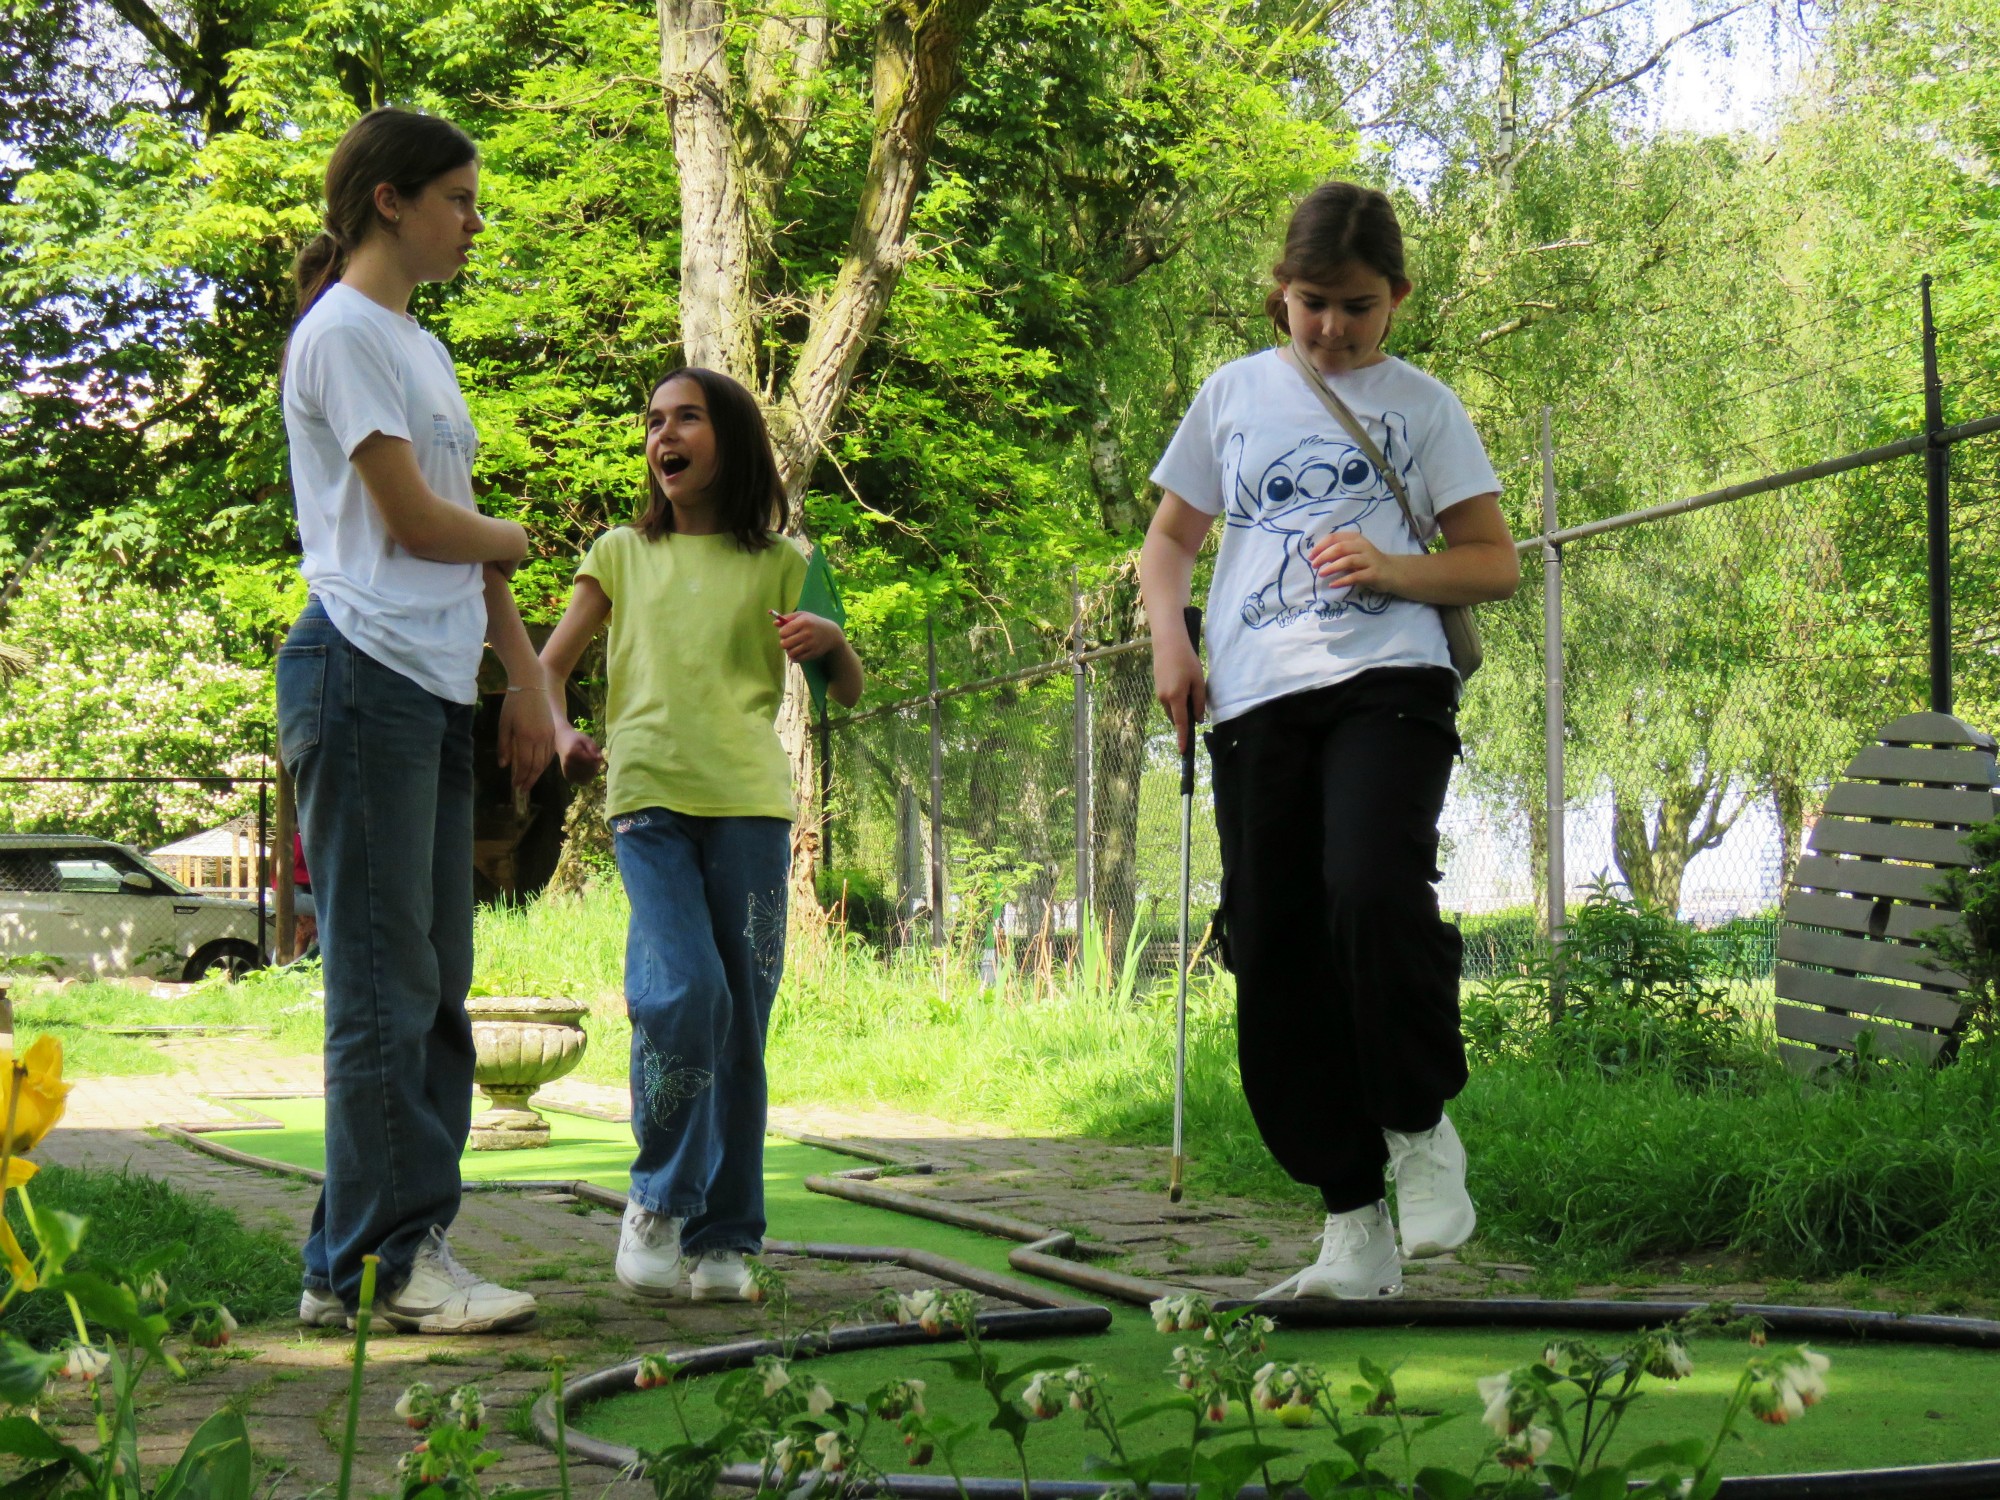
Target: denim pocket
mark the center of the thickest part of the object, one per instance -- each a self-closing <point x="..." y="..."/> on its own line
<point x="301" y="699"/>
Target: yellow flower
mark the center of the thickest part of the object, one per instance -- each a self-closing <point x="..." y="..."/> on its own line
<point x="37" y="1092"/>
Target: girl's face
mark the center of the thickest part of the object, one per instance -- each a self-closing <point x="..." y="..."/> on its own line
<point x="435" y="229"/>
<point x="1340" y="322"/>
<point x="680" y="443"/>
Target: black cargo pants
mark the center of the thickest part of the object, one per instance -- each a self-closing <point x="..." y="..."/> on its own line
<point x="1347" y="978"/>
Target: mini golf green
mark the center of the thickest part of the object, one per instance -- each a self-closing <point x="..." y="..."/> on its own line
<point x="1890" y="1404"/>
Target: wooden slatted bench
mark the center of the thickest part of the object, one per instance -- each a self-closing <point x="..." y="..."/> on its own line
<point x="1848" y="957"/>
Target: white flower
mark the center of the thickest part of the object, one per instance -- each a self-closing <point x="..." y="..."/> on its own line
<point x="468" y="1407"/>
<point x="1525" y="1449"/>
<point x="832" y="1457"/>
<point x="86" y="1362"/>
<point x="785" y="1459"/>
<point x="1497" y="1391"/>
<point x="1082" y="1388"/>
<point x="1043" y="1396"/>
<point x="1804" y="1375"/>
<point x="820" y="1402"/>
<point x="1166" y="1316"/>
<point x="1668" y="1360"/>
<point x="1775" y="1401"/>
<point x="776" y="1377"/>
<point x="926" y="1309"/>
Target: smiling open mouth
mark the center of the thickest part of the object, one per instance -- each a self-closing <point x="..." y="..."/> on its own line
<point x="672" y="464"/>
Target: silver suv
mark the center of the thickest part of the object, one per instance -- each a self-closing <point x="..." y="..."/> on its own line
<point x="88" y="906"/>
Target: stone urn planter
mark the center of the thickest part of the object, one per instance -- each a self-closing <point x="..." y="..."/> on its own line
<point x="520" y="1042"/>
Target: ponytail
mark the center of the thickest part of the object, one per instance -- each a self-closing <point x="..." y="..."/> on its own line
<point x="318" y="265"/>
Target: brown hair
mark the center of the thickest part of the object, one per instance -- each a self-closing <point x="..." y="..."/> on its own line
<point x="407" y="150"/>
<point x="1336" y="225"/>
<point x="750" y="498"/>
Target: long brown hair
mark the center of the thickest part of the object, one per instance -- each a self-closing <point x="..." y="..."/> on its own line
<point x="750" y="498"/>
<point x="407" y="150"/>
<point x="1335" y="226"/>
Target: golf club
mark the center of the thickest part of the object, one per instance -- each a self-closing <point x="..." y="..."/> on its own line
<point x="1191" y="615"/>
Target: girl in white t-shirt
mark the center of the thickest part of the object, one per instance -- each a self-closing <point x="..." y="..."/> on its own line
<point x="376" y="698"/>
<point x="1334" y="701"/>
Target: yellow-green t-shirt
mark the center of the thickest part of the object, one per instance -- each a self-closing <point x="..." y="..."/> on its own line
<point x="696" y="672"/>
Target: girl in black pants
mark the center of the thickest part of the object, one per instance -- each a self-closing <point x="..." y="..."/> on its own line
<point x="1334" y="701"/>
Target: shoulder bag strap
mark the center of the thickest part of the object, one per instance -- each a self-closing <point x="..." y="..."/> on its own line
<point x="1352" y="424"/>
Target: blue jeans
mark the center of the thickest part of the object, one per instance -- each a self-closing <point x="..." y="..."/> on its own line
<point x="384" y="774"/>
<point x="703" y="954"/>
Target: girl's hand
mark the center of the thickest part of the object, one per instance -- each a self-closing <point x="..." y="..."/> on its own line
<point x="1347" y="559"/>
<point x="581" y="759"/>
<point x="807" y="637"/>
<point x="527" y="736"/>
<point x="1176" y="674"/>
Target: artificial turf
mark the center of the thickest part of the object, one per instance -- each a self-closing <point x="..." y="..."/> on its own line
<point x="1890" y="1404"/>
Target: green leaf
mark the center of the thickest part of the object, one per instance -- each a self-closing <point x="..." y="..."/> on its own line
<point x="1223" y="1473"/>
<point x="216" y="1464"/>
<point x="1684" y="1454"/>
<point x="1324" y="1479"/>
<point x="1444" y="1484"/>
<point x="1607" y="1483"/>
<point x="37" y="1484"/>
<point x="59" y="1234"/>
<point x="22" y="1438"/>
<point x="23" y="1373"/>
<point x="1182" y="1404"/>
<point x="1032" y="1367"/>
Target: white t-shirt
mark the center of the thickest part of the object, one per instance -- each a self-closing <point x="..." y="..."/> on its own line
<point x="356" y="368"/>
<point x="1259" y="448"/>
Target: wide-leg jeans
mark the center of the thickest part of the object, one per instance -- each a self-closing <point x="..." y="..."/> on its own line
<point x="703" y="955"/>
<point x="384" y="775"/>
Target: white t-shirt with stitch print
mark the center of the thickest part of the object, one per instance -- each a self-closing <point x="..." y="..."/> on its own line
<point x="356" y="368"/>
<point x="1258" y="448"/>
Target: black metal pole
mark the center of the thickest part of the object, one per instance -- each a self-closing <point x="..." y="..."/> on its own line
<point x="1937" y="476"/>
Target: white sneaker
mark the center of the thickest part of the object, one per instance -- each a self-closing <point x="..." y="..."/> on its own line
<point x="320" y="1308"/>
<point x="1432" y="1207"/>
<point x="649" y="1253"/>
<point x="442" y="1296"/>
<point x="720" y="1276"/>
<point x="1357" y="1258"/>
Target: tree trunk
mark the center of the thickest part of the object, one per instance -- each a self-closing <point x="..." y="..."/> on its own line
<point x="734" y="141"/>
<point x="1788" y="797"/>
<point x="1690" y="818"/>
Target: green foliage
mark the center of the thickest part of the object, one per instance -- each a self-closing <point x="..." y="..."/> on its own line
<point x="128" y="681"/>
<point x="1641" y="991"/>
<point x="856" y="896"/>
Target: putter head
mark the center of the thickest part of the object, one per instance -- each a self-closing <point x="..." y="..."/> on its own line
<point x="1174" y="1182"/>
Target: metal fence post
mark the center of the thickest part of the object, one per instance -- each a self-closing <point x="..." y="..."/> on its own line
<point x="937" y="784"/>
<point x="1937" y="477"/>
<point x="1552" y="691"/>
<point x="1080" y="734"/>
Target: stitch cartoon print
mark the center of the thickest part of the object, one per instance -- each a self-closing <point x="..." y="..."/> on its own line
<point x="1323" y="485"/>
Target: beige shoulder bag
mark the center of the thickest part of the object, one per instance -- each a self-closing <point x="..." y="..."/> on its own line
<point x="1461" y="631"/>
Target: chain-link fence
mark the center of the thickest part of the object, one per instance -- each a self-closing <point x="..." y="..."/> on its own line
<point x="1720" y="663"/>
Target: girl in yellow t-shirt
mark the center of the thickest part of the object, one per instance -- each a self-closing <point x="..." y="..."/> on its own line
<point x="701" y="594"/>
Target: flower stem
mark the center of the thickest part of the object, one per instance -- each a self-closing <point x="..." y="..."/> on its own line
<point x="363" y="1313"/>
